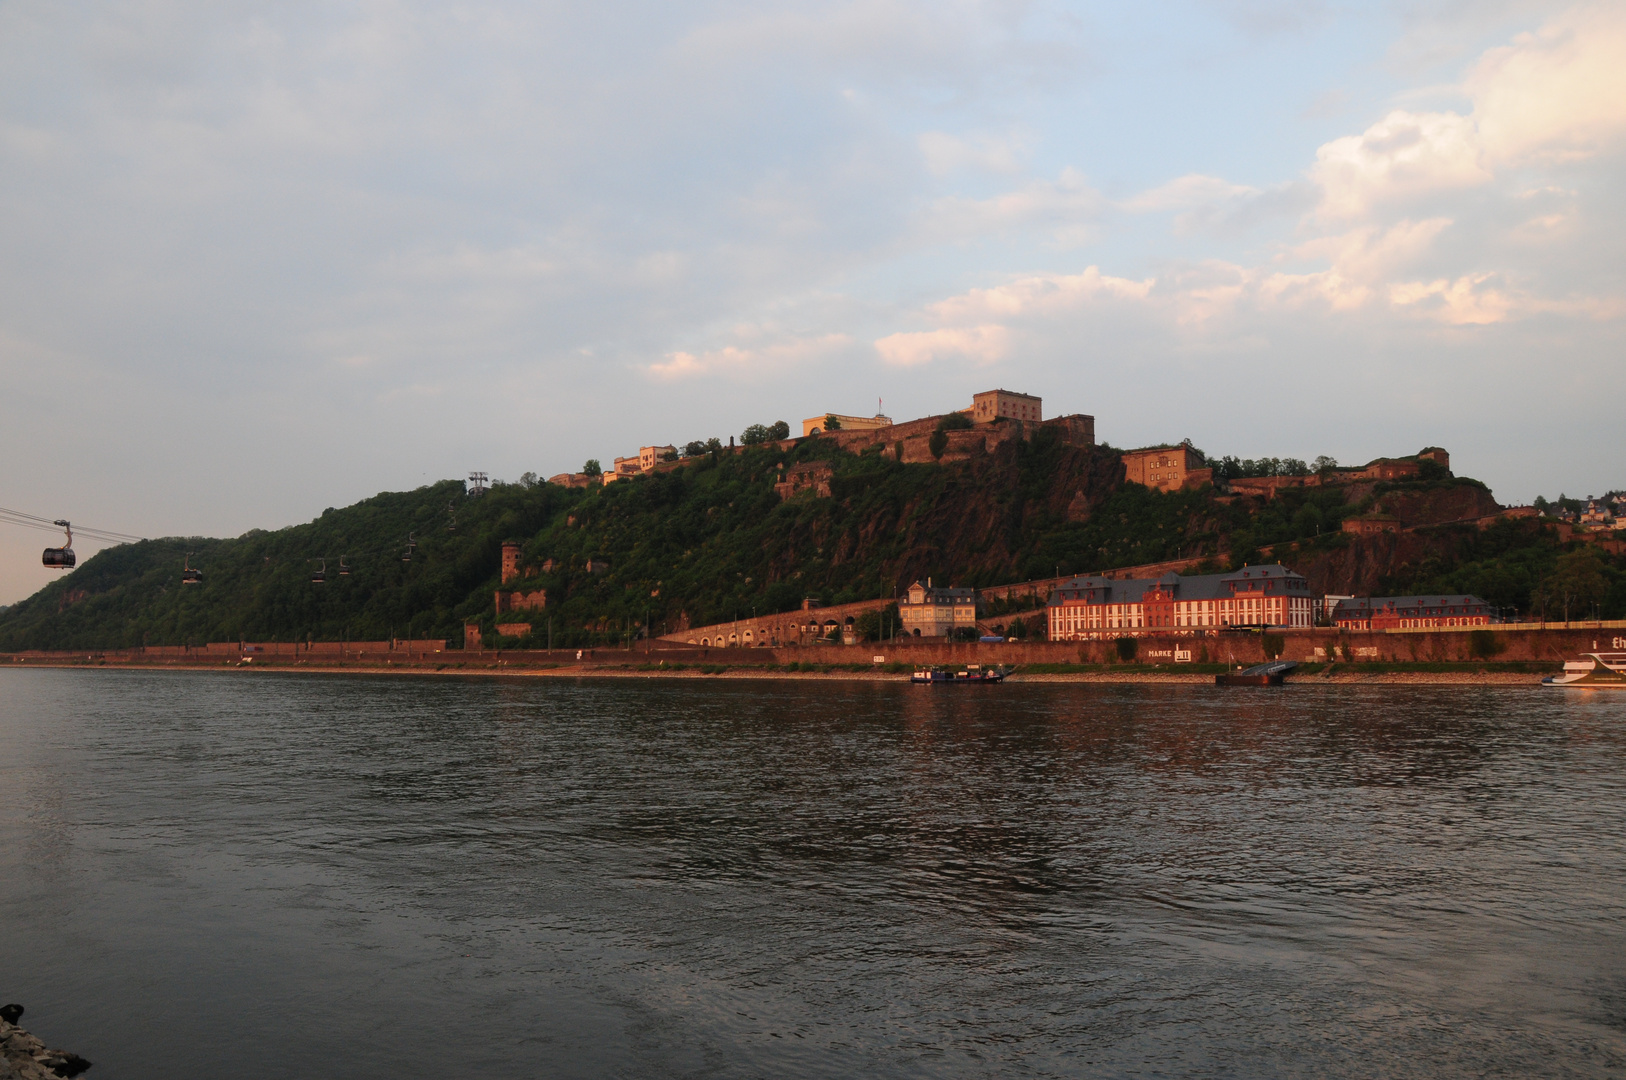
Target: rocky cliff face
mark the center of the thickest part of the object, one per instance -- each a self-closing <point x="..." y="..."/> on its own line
<point x="978" y="522"/>
<point x="1461" y="502"/>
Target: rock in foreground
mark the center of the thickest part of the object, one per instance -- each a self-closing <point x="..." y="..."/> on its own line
<point x="24" y="1057"/>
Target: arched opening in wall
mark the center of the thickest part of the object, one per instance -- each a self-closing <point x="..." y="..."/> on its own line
<point x="916" y="631"/>
<point x="733" y="639"/>
<point x="706" y="641"/>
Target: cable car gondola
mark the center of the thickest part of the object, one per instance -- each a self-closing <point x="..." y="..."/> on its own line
<point x="61" y="558"/>
<point x="412" y="545"/>
<point x="190" y="576"/>
<point x="344" y="568"/>
<point x="319" y="575"/>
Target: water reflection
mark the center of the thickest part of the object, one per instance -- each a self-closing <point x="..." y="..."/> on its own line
<point x="799" y="878"/>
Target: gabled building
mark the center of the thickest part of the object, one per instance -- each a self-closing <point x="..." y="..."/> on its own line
<point x="1255" y="597"/>
<point x="1412" y="613"/>
<point x="925" y="611"/>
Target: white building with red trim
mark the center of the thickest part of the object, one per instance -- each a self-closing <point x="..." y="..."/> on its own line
<point x="1255" y="597"/>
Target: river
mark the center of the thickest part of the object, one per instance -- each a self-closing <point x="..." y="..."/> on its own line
<point x="261" y="875"/>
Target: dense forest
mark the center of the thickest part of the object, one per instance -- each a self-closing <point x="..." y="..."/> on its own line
<point x="712" y="540"/>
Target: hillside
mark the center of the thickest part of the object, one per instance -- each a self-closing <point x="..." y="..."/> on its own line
<point x="711" y="539"/>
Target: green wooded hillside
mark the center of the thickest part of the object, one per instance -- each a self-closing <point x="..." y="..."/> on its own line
<point x="711" y="541"/>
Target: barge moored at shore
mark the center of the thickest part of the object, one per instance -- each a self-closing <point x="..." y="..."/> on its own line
<point x="971" y="673"/>
<point x="1267" y="674"/>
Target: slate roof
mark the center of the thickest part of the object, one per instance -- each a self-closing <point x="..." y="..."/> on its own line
<point x="1362" y="607"/>
<point x="942" y="596"/>
<point x="1195" y="587"/>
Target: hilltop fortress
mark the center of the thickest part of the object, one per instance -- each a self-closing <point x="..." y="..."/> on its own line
<point x="995" y="417"/>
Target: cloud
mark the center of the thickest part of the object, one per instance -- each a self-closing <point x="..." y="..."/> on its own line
<point x="736" y="360"/>
<point x="1470" y="299"/>
<point x="1402" y="156"/>
<point x="1064" y="210"/>
<point x="1037" y="294"/>
<point x="944" y="153"/>
<point x="980" y="344"/>
<point x="1193" y="189"/>
<point x="1558" y="93"/>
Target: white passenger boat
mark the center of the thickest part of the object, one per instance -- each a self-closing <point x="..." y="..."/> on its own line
<point x="1593" y="669"/>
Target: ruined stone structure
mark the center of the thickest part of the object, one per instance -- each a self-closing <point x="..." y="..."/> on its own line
<point x="1370" y="525"/>
<point x="811" y="476"/>
<point x="521" y="601"/>
<point x="510" y="560"/>
<point x="514" y="570"/>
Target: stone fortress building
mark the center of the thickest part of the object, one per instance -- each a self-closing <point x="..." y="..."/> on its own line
<point x="991" y="405"/>
<point x="815" y="425"/>
<point x="1167" y="468"/>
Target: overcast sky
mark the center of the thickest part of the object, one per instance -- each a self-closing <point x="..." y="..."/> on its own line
<point x="257" y="260"/>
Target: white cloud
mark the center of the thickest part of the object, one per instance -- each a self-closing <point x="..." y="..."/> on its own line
<point x="1402" y="156"/>
<point x="1470" y="299"/>
<point x="1191" y="190"/>
<point x="979" y="344"/>
<point x="1557" y="93"/>
<point x="1037" y="294"/>
<point x="737" y="360"/>
<point x="1065" y="210"/>
<point x="944" y="153"/>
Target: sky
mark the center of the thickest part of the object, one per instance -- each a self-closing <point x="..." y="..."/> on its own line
<point x="259" y="260"/>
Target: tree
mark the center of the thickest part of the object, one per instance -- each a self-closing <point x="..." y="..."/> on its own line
<point x="832" y="422"/>
<point x="714" y="445"/>
<point x="938" y="443"/>
<point x="754" y="435"/>
<point x="694" y="448"/>
<point x="528" y="479"/>
<point x="955" y="421"/>
<point x="1578" y="582"/>
<point x="1325" y="464"/>
<point x="593" y="468"/>
<point x="778" y="430"/>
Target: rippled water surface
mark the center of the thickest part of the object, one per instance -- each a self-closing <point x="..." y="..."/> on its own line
<point x="286" y="876"/>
